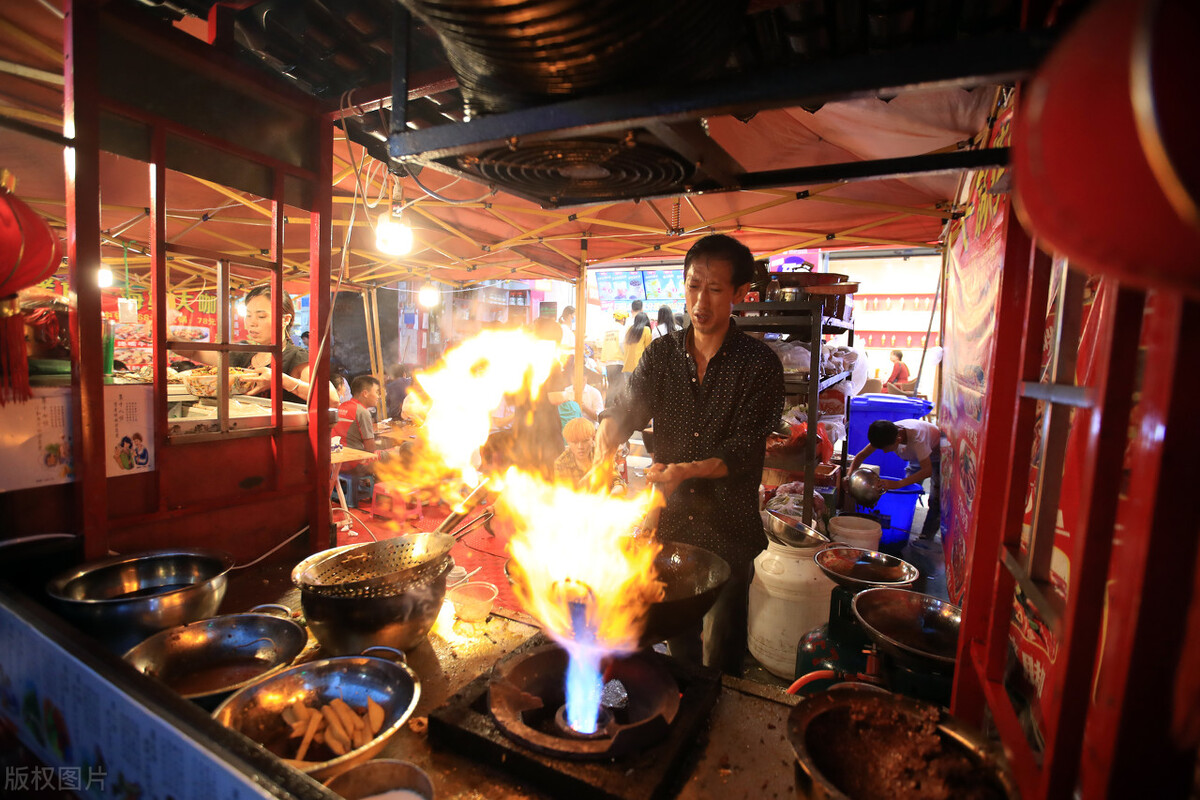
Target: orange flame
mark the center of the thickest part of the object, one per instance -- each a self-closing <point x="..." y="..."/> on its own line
<point x="452" y="404"/>
<point x="573" y="546"/>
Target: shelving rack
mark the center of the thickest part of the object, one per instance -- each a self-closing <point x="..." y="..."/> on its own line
<point x="797" y="319"/>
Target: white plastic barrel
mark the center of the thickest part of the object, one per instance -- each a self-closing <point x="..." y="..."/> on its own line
<point x="789" y="596"/>
<point x="856" y="532"/>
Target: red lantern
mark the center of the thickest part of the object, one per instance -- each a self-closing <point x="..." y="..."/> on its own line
<point x="29" y="253"/>
<point x="1104" y="166"/>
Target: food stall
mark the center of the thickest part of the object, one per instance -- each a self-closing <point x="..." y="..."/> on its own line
<point x="558" y="176"/>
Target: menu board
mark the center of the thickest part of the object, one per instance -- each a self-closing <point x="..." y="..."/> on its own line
<point x="664" y="287"/>
<point x="654" y="287"/>
<point x="618" y="289"/>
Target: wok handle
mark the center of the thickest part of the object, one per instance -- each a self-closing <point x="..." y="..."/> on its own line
<point x="393" y="653"/>
<point x="265" y="607"/>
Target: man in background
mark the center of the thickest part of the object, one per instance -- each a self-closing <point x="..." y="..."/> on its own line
<point x="919" y="443"/>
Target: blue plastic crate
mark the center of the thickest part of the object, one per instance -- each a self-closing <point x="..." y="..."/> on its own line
<point x="897" y="507"/>
<point x="865" y="409"/>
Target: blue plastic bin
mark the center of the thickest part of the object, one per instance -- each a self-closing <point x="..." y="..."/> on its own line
<point x="898" y="506"/>
<point x="866" y="408"/>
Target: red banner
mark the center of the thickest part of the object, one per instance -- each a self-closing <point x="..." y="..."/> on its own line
<point x="972" y="290"/>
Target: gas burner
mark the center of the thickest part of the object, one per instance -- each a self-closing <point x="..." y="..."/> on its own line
<point x="526" y="699"/>
<point x="651" y="683"/>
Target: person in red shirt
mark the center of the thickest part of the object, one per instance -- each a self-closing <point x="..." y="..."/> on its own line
<point x="899" y="372"/>
<point x="354" y="427"/>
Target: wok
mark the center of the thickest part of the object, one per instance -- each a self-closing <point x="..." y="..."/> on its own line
<point x="693" y="578"/>
<point x="207" y="660"/>
<point x="917" y="630"/>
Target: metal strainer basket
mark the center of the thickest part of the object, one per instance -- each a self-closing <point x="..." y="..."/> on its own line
<point x="374" y="569"/>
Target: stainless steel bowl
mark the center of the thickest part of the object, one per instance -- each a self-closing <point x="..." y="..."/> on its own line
<point x="345" y="625"/>
<point x="256" y="711"/>
<point x="381" y="776"/>
<point x="208" y="660"/>
<point x="856" y="568"/>
<point x="792" y="532"/>
<point x="826" y="731"/>
<point x="124" y="599"/>
<point x="865" y="487"/>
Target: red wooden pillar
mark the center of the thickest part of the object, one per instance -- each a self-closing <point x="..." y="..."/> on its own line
<point x="81" y="123"/>
<point x="320" y="245"/>
<point x="1143" y="723"/>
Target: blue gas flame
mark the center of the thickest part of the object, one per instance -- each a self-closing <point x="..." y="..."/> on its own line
<point x="584" y="681"/>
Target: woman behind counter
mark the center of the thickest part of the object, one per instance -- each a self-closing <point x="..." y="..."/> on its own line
<point x="260" y="330"/>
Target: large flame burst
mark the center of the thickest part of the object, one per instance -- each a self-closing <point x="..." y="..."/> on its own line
<point x="575" y="566"/>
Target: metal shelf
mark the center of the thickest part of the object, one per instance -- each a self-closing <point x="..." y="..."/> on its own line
<point x="793" y="386"/>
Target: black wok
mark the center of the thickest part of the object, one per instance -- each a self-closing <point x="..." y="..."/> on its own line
<point x="693" y="578"/>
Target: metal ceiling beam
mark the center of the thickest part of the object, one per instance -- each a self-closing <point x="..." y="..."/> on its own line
<point x="965" y="63"/>
<point x="881" y="168"/>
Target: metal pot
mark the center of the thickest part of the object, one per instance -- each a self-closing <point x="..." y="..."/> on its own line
<point x="124" y="599"/>
<point x="256" y="711"/>
<point x="351" y="624"/>
<point x="821" y="731"/>
<point x="865" y="487"/>
<point x="917" y="630"/>
<point x="207" y="660"/>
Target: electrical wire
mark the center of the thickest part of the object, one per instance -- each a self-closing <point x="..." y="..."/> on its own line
<point x="491" y="191"/>
<point x="272" y="550"/>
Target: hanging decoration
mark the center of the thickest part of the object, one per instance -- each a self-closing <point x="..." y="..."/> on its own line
<point x="29" y="253"/>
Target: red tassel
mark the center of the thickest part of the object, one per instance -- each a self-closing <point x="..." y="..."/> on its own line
<point x="14" y="366"/>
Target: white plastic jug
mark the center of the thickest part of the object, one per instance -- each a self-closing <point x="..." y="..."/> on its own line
<point x="856" y="531"/>
<point x="789" y="596"/>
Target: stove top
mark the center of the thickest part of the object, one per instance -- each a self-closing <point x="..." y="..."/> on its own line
<point x="655" y="768"/>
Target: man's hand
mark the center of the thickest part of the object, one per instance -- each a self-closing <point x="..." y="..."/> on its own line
<point x="889" y="484"/>
<point x="667" y="477"/>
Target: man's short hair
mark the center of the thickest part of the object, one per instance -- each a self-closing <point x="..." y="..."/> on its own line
<point x="726" y="248"/>
<point x="882" y="434"/>
<point x="635" y="306"/>
<point x="362" y="383"/>
<point x="898" y="354"/>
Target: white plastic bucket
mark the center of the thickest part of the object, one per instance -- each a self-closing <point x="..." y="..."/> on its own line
<point x="856" y="532"/>
<point x="789" y="596"/>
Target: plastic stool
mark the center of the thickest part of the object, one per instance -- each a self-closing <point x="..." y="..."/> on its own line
<point x="353" y="486"/>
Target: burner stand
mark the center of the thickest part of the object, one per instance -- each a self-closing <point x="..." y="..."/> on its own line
<point x="465" y="725"/>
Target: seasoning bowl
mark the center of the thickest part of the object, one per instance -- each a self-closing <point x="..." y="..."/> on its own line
<point x="381" y="776"/>
<point x="473" y="600"/>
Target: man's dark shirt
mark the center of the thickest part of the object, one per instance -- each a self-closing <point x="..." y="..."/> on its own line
<point x="728" y="416"/>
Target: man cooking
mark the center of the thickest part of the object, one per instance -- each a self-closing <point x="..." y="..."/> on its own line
<point x="714" y="394"/>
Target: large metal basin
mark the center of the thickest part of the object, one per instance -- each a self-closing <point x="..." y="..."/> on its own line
<point x="256" y="711"/>
<point x="124" y="599"/>
<point x="206" y="661"/>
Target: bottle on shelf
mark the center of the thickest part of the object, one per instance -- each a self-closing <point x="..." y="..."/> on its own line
<point x="773" y="290"/>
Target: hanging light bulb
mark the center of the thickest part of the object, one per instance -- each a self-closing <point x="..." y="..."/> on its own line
<point x="428" y="296"/>
<point x="104" y="277"/>
<point x="392" y="236"/>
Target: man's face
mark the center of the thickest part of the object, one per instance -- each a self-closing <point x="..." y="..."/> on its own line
<point x="710" y="294"/>
<point x="370" y="396"/>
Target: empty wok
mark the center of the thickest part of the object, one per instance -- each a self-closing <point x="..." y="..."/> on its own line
<point x="207" y="660"/>
<point x="693" y="578"/>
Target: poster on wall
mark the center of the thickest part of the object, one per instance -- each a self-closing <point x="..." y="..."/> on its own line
<point x="129" y="434"/>
<point x="35" y="440"/>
